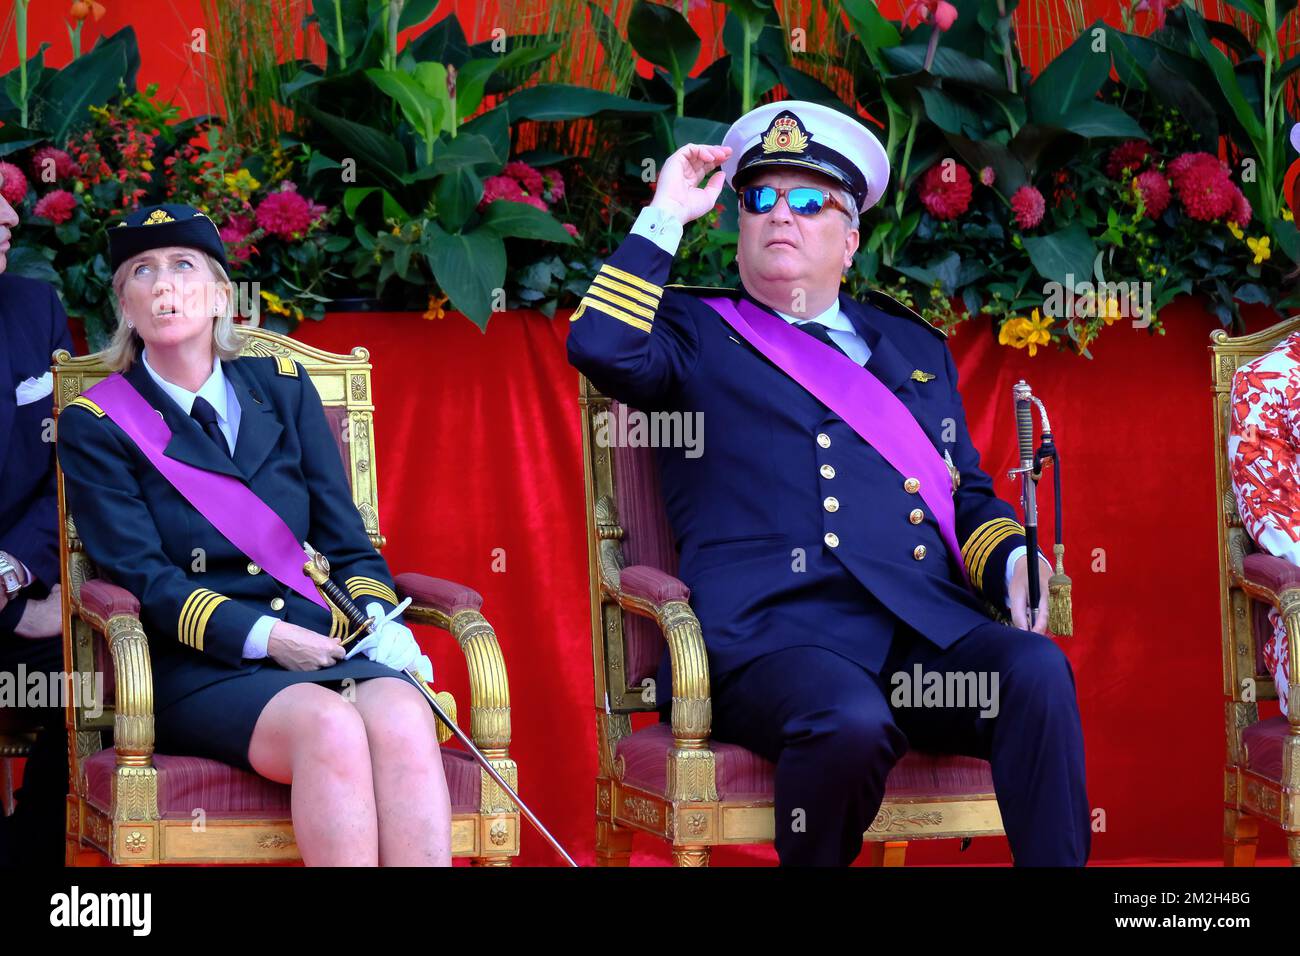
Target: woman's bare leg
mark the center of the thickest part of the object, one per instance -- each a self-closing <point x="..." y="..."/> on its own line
<point x="308" y="736"/>
<point x="410" y="790"/>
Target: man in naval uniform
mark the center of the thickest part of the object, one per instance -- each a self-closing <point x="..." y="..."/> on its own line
<point x="836" y="546"/>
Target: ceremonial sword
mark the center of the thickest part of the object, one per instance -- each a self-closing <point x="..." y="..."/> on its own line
<point x="319" y="571"/>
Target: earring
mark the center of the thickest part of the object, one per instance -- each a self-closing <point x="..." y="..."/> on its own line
<point x="130" y="325"/>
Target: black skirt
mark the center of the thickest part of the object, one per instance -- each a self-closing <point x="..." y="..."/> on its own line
<point x="217" y="721"/>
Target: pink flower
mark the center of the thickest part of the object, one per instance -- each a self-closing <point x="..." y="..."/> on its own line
<point x="554" y="185"/>
<point x="1203" y="185"/>
<point x="285" y="213"/>
<point x="571" y="229"/>
<point x="64" y="165"/>
<point x="235" y="234"/>
<point x="1154" y="189"/>
<point x="945" y="194"/>
<point x="526" y="176"/>
<point x="987" y="176"/>
<point x="13" y="184"/>
<point x="1240" y="213"/>
<point x="1128" y="155"/>
<point x="939" y="12"/>
<point x="500" y="187"/>
<point x="1158" y="7"/>
<point x="534" y="201"/>
<point x="1028" y="205"/>
<point x="56" y="206"/>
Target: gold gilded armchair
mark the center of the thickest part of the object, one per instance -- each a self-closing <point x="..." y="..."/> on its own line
<point x="1262" y="768"/>
<point x="130" y="805"/>
<point x="672" y="781"/>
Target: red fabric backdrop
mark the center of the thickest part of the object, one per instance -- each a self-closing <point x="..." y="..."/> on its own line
<point x="479" y="449"/>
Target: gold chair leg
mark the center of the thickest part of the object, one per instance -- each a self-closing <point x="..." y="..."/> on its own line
<point x="613" y="844"/>
<point x="489" y="861"/>
<point x="1241" y="837"/>
<point x="690" y="856"/>
<point x="1293" y="848"/>
<point x="888" y="853"/>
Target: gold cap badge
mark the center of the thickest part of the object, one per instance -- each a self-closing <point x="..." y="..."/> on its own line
<point x="785" y="135"/>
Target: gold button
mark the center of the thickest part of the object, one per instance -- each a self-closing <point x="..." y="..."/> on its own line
<point x="916" y="515"/>
<point x="911" y="486"/>
<point x="824" y="439"/>
<point x="828" y="471"/>
<point x="253" y="568"/>
<point x="918" y="552"/>
<point x="277" y="604"/>
<point x="832" y="539"/>
<point x="831" y="504"/>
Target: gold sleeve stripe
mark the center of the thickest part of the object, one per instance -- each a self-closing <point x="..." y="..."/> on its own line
<point x="195" y="613"/>
<point x="286" y="366"/>
<point x="619" y="314"/>
<point x="614" y="285"/>
<point x="604" y="295"/>
<point x="360" y="586"/>
<point x="989" y="527"/>
<point x="81" y="401"/>
<point x="630" y="279"/>
<point x="988" y="544"/>
<point x="577" y="313"/>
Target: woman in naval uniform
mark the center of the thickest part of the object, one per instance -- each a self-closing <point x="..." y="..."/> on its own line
<point x="245" y="669"/>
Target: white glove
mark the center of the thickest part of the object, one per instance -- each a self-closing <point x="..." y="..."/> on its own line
<point x="392" y="643"/>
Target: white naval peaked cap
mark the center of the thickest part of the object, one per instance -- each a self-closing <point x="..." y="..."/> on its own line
<point x="809" y="136"/>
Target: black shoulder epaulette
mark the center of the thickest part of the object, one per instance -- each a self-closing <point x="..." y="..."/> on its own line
<point x="703" y="289"/>
<point x="887" y="303"/>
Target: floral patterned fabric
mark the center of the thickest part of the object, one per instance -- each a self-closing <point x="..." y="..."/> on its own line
<point x="1264" y="461"/>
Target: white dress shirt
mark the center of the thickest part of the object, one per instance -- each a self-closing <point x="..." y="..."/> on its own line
<point x="665" y="231"/>
<point x="220" y="394"/>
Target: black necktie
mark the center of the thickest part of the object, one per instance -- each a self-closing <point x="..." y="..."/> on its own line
<point x="203" y="413"/>
<point x="821" y="334"/>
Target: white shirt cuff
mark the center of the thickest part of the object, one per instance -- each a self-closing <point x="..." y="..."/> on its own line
<point x="1016" y="555"/>
<point x="258" y="637"/>
<point x="664" y="230"/>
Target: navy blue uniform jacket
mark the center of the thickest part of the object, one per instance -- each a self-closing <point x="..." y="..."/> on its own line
<point x="199" y="595"/>
<point x="32" y="327"/>
<point x="771" y="560"/>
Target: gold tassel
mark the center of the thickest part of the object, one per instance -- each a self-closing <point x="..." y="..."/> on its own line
<point x="1060" y="610"/>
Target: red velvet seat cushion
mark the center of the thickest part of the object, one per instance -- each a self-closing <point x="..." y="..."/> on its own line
<point x="1263" y="741"/>
<point x="743" y="776"/>
<point x="187" y="783"/>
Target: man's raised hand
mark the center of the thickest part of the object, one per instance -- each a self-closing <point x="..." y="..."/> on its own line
<point x="678" y="191"/>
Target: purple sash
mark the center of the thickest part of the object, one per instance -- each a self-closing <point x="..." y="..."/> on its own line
<point x="242" y="518"/>
<point x="858" y="397"/>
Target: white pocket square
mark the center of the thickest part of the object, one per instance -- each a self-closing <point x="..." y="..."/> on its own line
<point x="33" y="389"/>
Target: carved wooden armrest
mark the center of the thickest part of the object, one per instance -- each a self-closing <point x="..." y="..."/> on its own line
<point x="455" y="608"/>
<point x="653" y="593"/>
<point x="115" y="612"/>
<point x="1276" y="581"/>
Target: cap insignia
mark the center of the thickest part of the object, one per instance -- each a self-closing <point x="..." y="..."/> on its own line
<point x="157" y="216"/>
<point x="785" y="135"/>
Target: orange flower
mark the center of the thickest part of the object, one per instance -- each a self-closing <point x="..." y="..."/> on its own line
<point x="436" y="310"/>
<point x="84" y="8"/>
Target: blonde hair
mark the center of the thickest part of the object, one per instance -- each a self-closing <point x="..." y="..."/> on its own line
<point x="227" y="339"/>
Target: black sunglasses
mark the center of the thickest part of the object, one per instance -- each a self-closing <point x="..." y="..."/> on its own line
<point x="802" y="200"/>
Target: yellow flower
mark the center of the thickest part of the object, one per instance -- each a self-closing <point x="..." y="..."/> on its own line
<point x="1235" y="230"/>
<point x="1038" y="333"/>
<point x="241" y="183"/>
<point x="1286" y="214"/>
<point x="1109" y="311"/>
<point x="1260" y="248"/>
<point x="436" y="310"/>
<point x="274" y="303"/>
<point x="1014" y="332"/>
